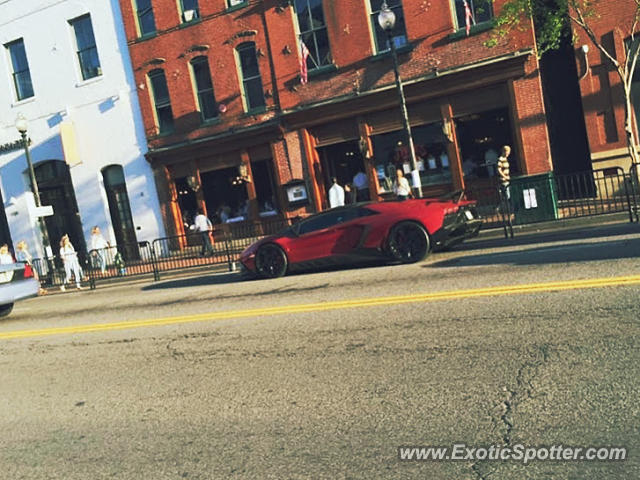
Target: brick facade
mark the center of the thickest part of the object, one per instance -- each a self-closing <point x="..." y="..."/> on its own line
<point x="601" y="88"/>
<point x="443" y="71"/>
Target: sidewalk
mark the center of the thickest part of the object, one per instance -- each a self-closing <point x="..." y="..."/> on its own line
<point x="587" y="227"/>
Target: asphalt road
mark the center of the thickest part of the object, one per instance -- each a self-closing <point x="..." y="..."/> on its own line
<point x="325" y="375"/>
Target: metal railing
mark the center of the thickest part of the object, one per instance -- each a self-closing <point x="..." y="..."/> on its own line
<point x="554" y="197"/>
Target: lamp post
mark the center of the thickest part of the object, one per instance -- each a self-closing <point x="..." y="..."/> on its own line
<point x="21" y="125"/>
<point x="387" y="20"/>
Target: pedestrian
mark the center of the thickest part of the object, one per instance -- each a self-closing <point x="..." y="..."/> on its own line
<point x="5" y="256"/>
<point x="23" y="255"/>
<point x="336" y="194"/>
<point x="401" y="186"/>
<point x="504" y="176"/>
<point x="71" y="264"/>
<point x="203" y="225"/>
<point x="361" y="186"/>
<point x="99" y="249"/>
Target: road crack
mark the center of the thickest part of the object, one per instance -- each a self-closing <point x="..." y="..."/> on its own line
<point x="502" y="415"/>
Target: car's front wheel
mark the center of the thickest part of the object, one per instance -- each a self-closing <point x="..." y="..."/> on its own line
<point x="6" y="309"/>
<point x="408" y="242"/>
<point x="271" y="261"/>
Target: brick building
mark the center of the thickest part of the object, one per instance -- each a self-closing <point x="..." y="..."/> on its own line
<point x="224" y="101"/>
<point x="600" y="86"/>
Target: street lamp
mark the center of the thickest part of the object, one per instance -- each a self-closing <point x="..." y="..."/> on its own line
<point x="21" y="125"/>
<point x="387" y="20"/>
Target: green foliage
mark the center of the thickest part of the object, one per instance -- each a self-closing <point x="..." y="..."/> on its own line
<point x="551" y="19"/>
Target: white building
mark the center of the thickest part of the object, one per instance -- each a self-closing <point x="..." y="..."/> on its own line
<point x="65" y="67"/>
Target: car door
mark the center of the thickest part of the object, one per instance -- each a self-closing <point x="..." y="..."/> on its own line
<point x="317" y="237"/>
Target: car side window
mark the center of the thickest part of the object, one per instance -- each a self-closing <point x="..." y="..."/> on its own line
<point x="332" y="218"/>
<point x="320" y="222"/>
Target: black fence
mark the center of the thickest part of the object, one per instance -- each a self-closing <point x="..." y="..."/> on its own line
<point x="547" y="197"/>
<point x="225" y="244"/>
<point x="531" y="199"/>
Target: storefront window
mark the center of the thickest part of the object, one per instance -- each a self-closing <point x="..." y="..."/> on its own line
<point x="226" y="199"/>
<point x="481" y="137"/>
<point x="391" y="153"/>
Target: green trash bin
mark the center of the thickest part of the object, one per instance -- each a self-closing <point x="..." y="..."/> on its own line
<point x="534" y="198"/>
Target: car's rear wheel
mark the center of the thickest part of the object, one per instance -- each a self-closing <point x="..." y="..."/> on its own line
<point x="271" y="261"/>
<point x="6" y="309"/>
<point x="408" y="242"/>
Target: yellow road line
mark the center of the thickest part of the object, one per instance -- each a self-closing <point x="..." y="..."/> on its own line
<point x="326" y="306"/>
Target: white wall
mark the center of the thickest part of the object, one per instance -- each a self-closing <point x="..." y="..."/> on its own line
<point x="104" y="111"/>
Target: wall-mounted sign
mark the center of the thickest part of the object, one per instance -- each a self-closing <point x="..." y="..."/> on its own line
<point x="296" y="191"/>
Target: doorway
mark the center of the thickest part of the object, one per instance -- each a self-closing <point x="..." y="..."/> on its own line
<point x="56" y="189"/>
<point x="120" y="211"/>
<point x="342" y="161"/>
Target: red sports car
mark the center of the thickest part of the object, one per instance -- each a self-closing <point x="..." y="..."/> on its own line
<point x="401" y="231"/>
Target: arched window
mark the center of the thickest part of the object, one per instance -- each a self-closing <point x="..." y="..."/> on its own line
<point x="56" y="189"/>
<point x="119" y="208"/>
<point x="161" y="101"/>
<point x="253" y="94"/>
<point x="204" y="88"/>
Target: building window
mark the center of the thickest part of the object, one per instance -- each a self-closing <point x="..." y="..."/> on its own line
<point x="204" y="88"/>
<point x="146" y="21"/>
<point x="20" y="66"/>
<point x="399" y="34"/>
<point x="480" y="138"/>
<point x="251" y="80"/>
<point x="189" y="9"/>
<point x="392" y="153"/>
<point x="161" y="100"/>
<point x="313" y="32"/>
<point x="480" y="10"/>
<point x="86" y="47"/>
<point x="235" y="3"/>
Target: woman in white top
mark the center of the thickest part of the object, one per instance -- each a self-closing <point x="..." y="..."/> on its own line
<point x="5" y="256"/>
<point x="99" y="248"/>
<point x="71" y="264"/>
<point x="401" y="186"/>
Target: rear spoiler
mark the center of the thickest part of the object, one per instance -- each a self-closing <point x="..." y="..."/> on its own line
<point x="456" y="196"/>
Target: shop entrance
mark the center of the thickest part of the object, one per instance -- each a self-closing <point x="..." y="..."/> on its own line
<point x="226" y="197"/>
<point x="343" y="161"/>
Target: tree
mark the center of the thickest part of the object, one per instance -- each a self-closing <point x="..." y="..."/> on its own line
<point x="550" y="18"/>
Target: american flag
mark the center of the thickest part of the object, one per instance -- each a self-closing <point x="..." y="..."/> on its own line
<point x="468" y="16"/>
<point x="304" y="54"/>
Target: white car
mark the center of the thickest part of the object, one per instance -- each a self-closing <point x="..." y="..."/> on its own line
<point x="17" y="282"/>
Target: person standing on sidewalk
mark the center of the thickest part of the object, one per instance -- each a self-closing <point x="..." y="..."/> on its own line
<point x="204" y="226"/>
<point x="71" y="264"/>
<point x="504" y="176"/>
<point x="23" y="255"/>
<point x="336" y="194"/>
<point x="99" y="248"/>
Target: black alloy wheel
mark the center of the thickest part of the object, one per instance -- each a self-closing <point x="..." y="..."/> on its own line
<point x="271" y="261"/>
<point x="6" y="309"/>
<point x="408" y="242"/>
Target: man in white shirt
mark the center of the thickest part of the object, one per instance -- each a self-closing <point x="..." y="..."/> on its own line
<point x="203" y="225"/>
<point x="361" y="184"/>
<point x="336" y="195"/>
